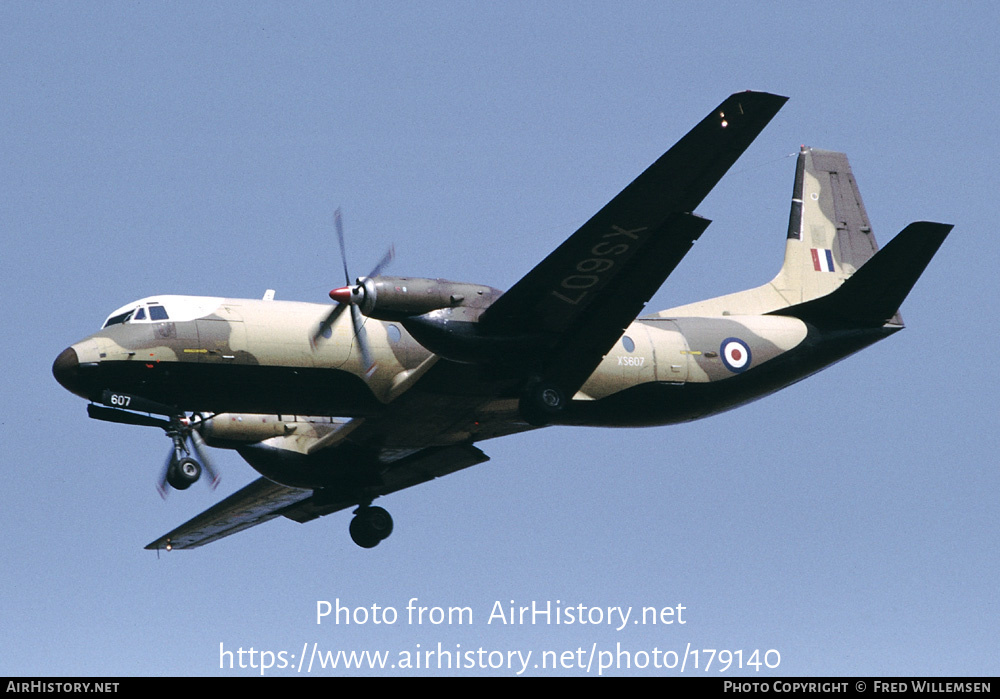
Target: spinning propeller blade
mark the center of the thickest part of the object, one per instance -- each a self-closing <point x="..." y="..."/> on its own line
<point x="348" y="295"/>
<point x="161" y="483"/>
<point x="367" y="362"/>
<point x="197" y="444"/>
<point x="388" y="257"/>
<point x="338" y="223"/>
<point x="327" y="323"/>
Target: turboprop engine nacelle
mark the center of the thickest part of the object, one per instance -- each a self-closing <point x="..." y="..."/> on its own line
<point x="397" y="298"/>
<point x="455" y="334"/>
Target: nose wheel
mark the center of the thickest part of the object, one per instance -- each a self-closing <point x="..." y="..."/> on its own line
<point x="187" y="459"/>
<point x="370" y="526"/>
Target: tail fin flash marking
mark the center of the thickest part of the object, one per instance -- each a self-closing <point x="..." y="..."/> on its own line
<point x="823" y="260"/>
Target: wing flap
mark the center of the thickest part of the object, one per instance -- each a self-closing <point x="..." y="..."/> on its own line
<point x="423" y="466"/>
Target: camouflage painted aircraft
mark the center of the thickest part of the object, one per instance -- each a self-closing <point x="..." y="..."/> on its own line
<point x="335" y="410"/>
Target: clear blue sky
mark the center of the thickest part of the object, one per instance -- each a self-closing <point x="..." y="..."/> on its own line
<point x="849" y="522"/>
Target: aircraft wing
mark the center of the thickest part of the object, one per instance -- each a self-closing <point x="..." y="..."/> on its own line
<point x="264" y="500"/>
<point x="254" y="504"/>
<point x="585" y="293"/>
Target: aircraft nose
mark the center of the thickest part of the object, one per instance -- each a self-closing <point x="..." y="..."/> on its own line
<point x="66" y="369"/>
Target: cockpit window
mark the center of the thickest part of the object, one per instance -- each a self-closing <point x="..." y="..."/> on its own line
<point x="120" y="318"/>
<point x="156" y="312"/>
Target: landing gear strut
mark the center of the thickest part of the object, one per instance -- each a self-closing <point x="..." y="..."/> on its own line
<point x="370" y="526"/>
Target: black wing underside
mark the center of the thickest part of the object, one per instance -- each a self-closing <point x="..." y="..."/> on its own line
<point x="263" y="500"/>
<point x="256" y="503"/>
<point x="584" y="294"/>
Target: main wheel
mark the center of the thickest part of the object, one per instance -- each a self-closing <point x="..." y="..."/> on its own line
<point x="370" y="526"/>
<point x="540" y="402"/>
<point x="182" y="474"/>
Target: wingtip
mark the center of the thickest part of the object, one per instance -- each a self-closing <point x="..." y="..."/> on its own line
<point x="757" y="105"/>
<point x="761" y="93"/>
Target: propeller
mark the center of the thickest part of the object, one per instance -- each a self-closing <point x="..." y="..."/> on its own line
<point x="349" y="295"/>
<point x="180" y="469"/>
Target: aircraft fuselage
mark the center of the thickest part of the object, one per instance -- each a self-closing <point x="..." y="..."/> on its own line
<point x="254" y="356"/>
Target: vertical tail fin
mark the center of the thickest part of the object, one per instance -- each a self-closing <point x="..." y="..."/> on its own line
<point x="829" y="240"/>
<point x="829" y="235"/>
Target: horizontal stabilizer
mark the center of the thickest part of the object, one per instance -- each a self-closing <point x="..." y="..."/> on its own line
<point x="873" y="294"/>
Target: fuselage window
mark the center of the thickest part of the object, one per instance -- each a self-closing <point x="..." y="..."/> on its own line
<point x="140" y="314"/>
<point x="628" y="344"/>
<point x="157" y="313"/>
<point x="393" y="332"/>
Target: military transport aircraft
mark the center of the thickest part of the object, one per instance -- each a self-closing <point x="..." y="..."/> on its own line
<point x="336" y="409"/>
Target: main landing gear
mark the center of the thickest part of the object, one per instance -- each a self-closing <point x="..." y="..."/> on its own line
<point x="541" y="402"/>
<point x="370" y="526"/>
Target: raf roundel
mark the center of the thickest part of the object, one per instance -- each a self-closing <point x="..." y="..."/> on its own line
<point x="735" y="354"/>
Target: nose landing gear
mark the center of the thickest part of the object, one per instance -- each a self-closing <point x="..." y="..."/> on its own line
<point x="183" y="469"/>
<point x="183" y="473"/>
